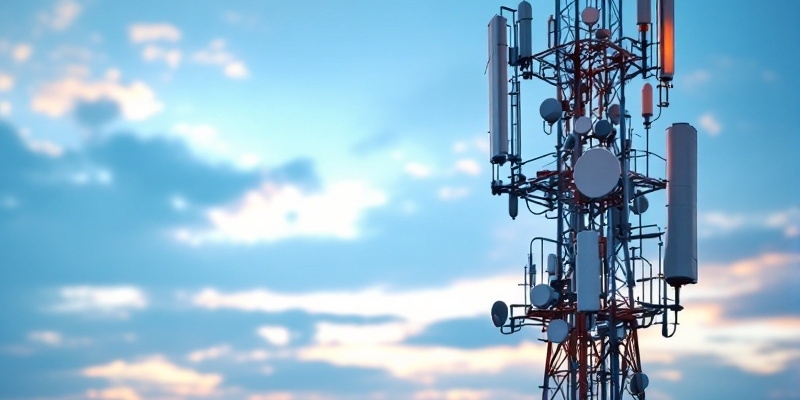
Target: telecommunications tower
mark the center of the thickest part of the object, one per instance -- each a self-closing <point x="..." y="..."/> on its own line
<point x="603" y="278"/>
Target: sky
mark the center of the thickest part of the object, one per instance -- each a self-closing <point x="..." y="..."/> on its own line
<point x="278" y="200"/>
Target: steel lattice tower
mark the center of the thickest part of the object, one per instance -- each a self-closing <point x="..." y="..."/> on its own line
<point x="597" y="289"/>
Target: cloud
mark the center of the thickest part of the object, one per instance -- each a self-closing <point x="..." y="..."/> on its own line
<point x="275" y="212"/>
<point x="157" y="372"/>
<point x="115" y="301"/>
<point x="5" y="108"/>
<point x="136" y="100"/>
<point x="710" y="124"/>
<point x="50" y="338"/>
<point x="425" y="364"/>
<point x="719" y="223"/>
<point x="448" y="193"/>
<point x="6" y="82"/>
<point x="276" y="335"/>
<point x="62" y="15"/>
<point x="210" y="353"/>
<point x="153" y="32"/>
<point x="21" y="52"/>
<point x="468" y="166"/>
<point x="417" y="170"/>
<point x="696" y="78"/>
<point x="216" y="54"/>
<point x="114" y="393"/>
<point x="424" y="306"/>
<point x="154" y="53"/>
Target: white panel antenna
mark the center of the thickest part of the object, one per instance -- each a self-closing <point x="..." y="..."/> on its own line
<point x="498" y="90"/>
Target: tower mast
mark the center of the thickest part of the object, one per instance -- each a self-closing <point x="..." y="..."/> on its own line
<point x="598" y="287"/>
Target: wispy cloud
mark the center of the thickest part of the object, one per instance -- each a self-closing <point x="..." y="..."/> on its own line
<point x="210" y="353"/>
<point x="720" y="223"/>
<point x="280" y="211"/>
<point x="276" y="335"/>
<point x="115" y="301"/>
<point x="448" y="193"/>
<point x="6" y="82"/>
<point x="216" y="53"/>
<point x="136" y="100"/>
<point x="61" y="16"/>
<point x="158" y="374"/>
<point x="468" y="166"/>
<point x="153" y="32"/>
<point x="22" y="52"/>
<point x="154" y="53"/>
<point x="417" y="170"/>
<point x="113" y="393"/>
<point x="710" y="124"/>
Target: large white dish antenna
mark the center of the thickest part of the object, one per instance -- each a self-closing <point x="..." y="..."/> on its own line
<point x="597" y="173"/>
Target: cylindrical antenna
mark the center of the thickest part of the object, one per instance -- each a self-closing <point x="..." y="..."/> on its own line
<point x="643" y="13"/>
<point x="666" y="14"/>
<point x="498" y="90"/>
<point x="680" y="258"/>
<point x="524" y="18"/>
<point x="647" y="101"/>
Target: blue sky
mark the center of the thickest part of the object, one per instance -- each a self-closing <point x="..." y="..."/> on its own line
<point x="281" y="200"/>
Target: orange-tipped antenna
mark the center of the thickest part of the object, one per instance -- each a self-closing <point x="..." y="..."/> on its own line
<point x="647" y="100"/>
<point x="666" y="13"/>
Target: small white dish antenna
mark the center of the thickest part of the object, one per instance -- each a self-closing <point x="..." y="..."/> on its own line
<point x="614" y="114"/>
<point x="590" y="16"/>
<point x="543" y="296"/>
<point x="499" y="313"/>
<point x="550" y="110"/>
<point x="602" y="129"/>
<point x="583" y="125"/>
<point x="602" y="34"/>
<point x="557" y="330"/>
<point x="597" y="172"/>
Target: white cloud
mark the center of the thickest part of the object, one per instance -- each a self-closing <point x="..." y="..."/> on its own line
<point x="210" y="353"/>
<point x="417" y="170"/>
<point x="143" y="33"/>
<point x="158" y="372"/>
<point x="5" y="108"/>
<point x="115" y="301"/>
<point x="710" y="124"/>
<point x="6" y="82"/>
<point x="113" y="393"/>
<point x="50" y="338"/>
<point x="55" y="99"/>
<point x="696" y="78"/>
<point x="154" y="53"/>
<point x="452" y="193"/>
<point x="275" y="212"/>
<point x="21" y="52"/>
<point x="468" y="166"/>
<point x="236" y="70"/>
<point x="276" y="335"/>
<point x="424" y="306"/>
<point x="471" y="394"/>
<point x="426" y="363"/>
<point x="718" y="223"/>
<point x="203" y="139"/>
<point x="365" y="334"/>
<point x="62" y="15"/>
<point x="216" y="54"/>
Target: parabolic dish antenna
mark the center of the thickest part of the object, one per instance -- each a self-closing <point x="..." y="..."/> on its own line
<point x="543" y="296"/>
<point x="499" y="313"/>
<point x="590" y="16"/>
<point x="583" y="125"/>
<point x="597" y="172"/>
<point x="557" y="330"/>
<point x="602" y="129"/>
<point x="550" y="110"/>
<point x="614" y="114"/>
